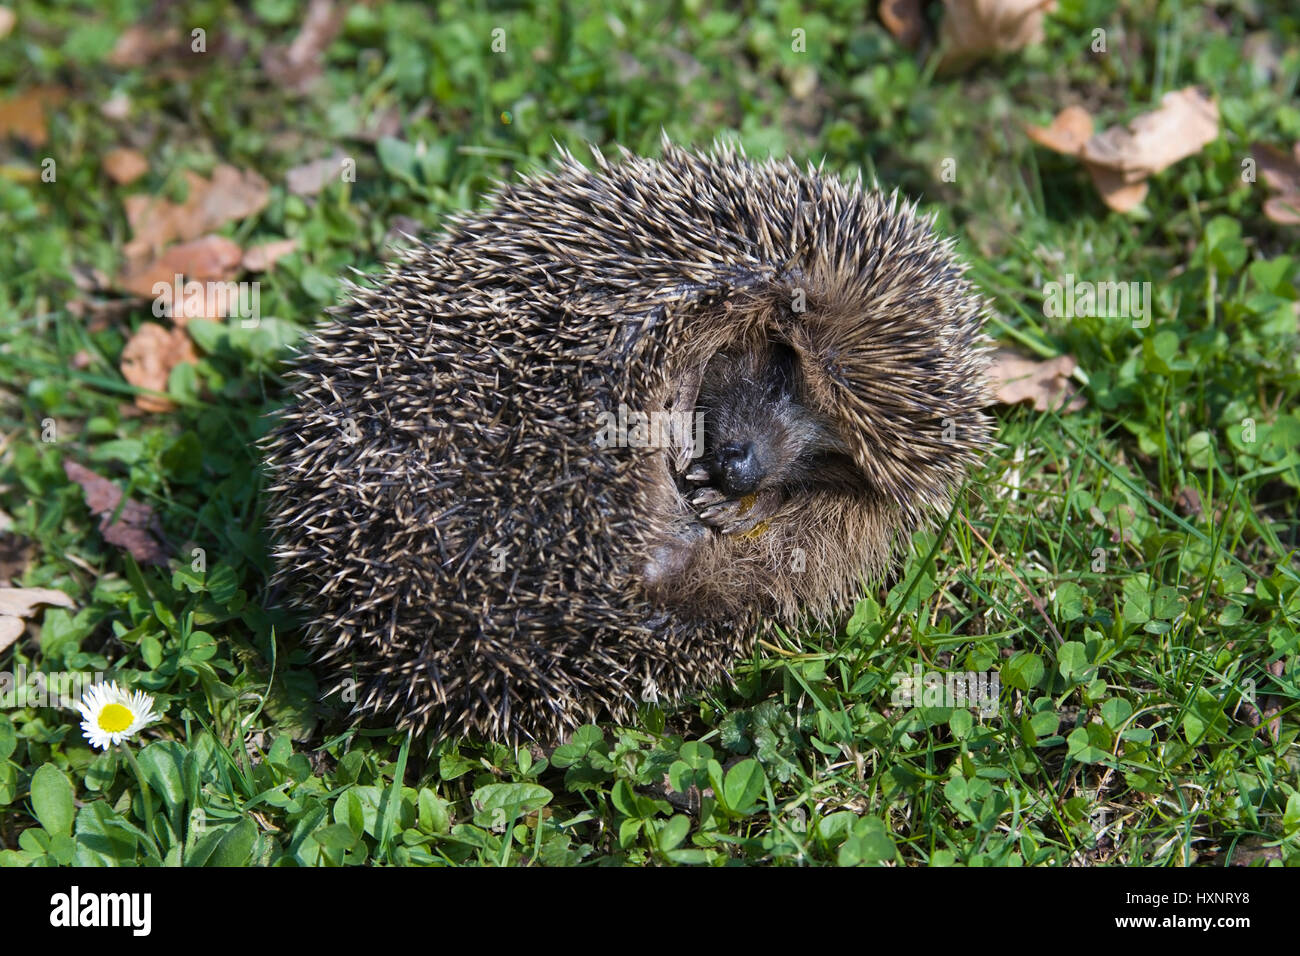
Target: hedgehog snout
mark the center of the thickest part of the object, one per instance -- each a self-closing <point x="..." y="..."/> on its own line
<point x="739" y="470"/>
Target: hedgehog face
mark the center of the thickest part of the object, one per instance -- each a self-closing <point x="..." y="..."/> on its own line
<point x="763" y="444"/>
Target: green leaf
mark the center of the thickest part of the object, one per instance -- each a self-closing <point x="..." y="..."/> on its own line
<point x="1022" y="671"/>
<point x="104" y="837"/>
<point x="432" y="812"/>
<point x="674" y="832"/>
<point x="869" y="842"/>
<point x="8" y="738"/>
<point x="398" y="159"/>
<point x="53" y="799"/>
<point x="1167" y="604"/>
<point x="161" y="763"/>
<point x="496" y="804"/>
<point x="453" y="765"/>
<point x="236" y="846"/>
<point x="587" y="741"/>
<point x="1072" y="660"/>
<point x="744" y="783"/>
<point x="1115" y="711"/>
<point x="337" y="836"/>
<point x="1069" y="601"/>
<point x="1090" y="743"/>
<point x="1291" y="817"/>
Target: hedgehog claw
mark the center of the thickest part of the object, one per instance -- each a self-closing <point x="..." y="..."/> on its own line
<point x="742" y="527"/>
<point x="721" y="514"/>
<point x="705" y="497"/>
<point x="698" y="473"/>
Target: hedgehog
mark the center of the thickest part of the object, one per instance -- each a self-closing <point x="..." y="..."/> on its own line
<point x="574" y="453"/>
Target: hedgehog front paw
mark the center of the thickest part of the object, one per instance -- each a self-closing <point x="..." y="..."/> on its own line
<point x="735" y="516"/>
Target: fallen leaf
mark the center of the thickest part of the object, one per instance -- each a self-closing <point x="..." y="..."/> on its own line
<point x="1182" y="126"/>
<point x="261" y="257"/>
<point x="1017" y="378"/>
<point x="136" y="529"/>
<point x="903" y="19"/>
<point x="149" y="357"/>
<point x="125" y="165"/>
<point x="972" y="29"/>
<point x="23" y="114"/>
<point x="1068" y="131"/>
<point x="11" y="628"/>
<point x="1121" y="158"/>
<point x="1279" y="170"/>
<point x="18" y="604"/>
<point x="1283" y="210"/>
<point x="116" y="107"/>
<point x="142" y="45"/>
<point x="310" y="178"/>
<point x="229" y="196"/>
<point x="209" y="259"/>
<point x="1188" y="502"/>
<point x="1117" y="194"/>
<point x="300" y="64"/>
<point x="1282" y="174"/>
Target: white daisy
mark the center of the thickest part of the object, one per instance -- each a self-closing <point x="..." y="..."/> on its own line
<point x="113" y="714"/>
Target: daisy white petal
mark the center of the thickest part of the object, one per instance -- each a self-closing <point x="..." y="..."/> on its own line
<point x="112" y="714"/>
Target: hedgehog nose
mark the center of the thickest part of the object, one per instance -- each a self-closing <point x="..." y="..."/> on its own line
<point x="738" y="468"/>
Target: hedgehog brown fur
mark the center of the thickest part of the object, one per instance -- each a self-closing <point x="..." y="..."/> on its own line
<point x="470" y="552"/>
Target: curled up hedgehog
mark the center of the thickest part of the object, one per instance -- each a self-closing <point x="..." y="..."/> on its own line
<point x="576" y="451"/>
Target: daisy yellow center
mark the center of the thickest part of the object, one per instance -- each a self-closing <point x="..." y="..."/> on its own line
<point x="114" y="719"/>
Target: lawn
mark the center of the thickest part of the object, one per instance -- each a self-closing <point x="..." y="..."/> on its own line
<point x="1126" y="563"/>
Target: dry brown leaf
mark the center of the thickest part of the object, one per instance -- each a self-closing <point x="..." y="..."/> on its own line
<point x="299" y="65"/>
<point x="7" y="20"/>
<point x="148" y="359"/>
<point x="20" y="602"/>
<point x="11" y="628"/>
<point x="125" y="165"/>
<point x="1120" y="159"/>
<point x="209" y="259"/>
<point x="1279" y="170"/>
<point x="972" y="29"/>
<point x="229" y="196"/>
<point x="142" y="45"/>
<point x="903" y="19"/>
<point x="1283" y="210"/>
<point x="262" y="256"/>
<point x="23" y="114"/>
<point x="1188" y="502"/>
<point x="1282" y="174"/>
<point x="1068" y="131"/>
<point x="1017" y="378"/>
<point x="136" y="529"/>
<point x="310" y="178"/>
<point x="1185" y="122"/>
<point x="116" y="107"/>
<point x="1114" y="191"/>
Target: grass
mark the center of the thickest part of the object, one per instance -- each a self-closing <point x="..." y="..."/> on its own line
<point x="1145" y="637"/>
